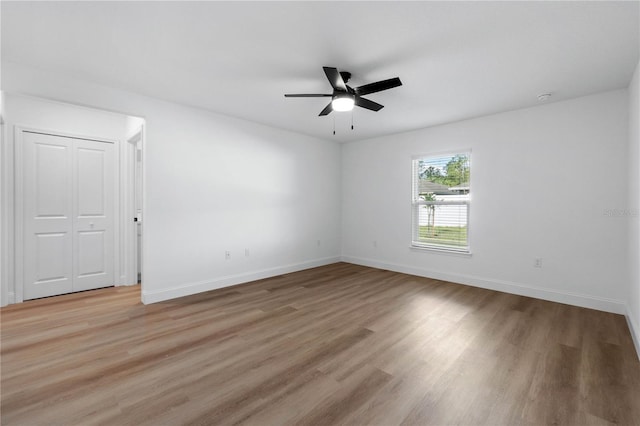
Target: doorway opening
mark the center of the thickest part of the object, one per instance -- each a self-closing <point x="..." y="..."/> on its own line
<point x="134" y="205"/>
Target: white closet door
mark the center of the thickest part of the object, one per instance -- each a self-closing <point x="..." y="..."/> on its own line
<point x="68" y="214"/>
<point x="48" y="215"/>
<point x="93" y="233"/>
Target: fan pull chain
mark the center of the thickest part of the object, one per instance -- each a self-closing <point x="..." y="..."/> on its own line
<point x="351" y="119"/>
<point x="334" y="124"/>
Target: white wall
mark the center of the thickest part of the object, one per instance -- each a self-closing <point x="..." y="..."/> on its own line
<point x="542" y="180"/>
<point x="45" y="114"/>
<point x="214" y="183"/>
<point x="633" y="208"/>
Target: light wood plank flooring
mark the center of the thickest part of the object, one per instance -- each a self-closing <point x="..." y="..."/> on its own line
<point x="340" y="344"/>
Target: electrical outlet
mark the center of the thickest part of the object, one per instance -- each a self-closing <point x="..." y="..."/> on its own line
<point x="375" y="244"/>
<point x="537" y="262"/>
<point x="318" y="243"/>
<point x="227" y="255"/>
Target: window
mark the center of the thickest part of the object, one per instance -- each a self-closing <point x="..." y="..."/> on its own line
<point x="441" y="196"/>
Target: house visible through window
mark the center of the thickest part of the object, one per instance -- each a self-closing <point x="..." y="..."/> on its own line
<point x="441" y="201"/>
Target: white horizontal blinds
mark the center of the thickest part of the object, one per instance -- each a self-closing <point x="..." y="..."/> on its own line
<point x="441" y="194"/>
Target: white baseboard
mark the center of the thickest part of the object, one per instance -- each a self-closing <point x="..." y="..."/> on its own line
<point x="585" y="301"/>
<point x="634" y="329"/>
<point x="207" y="285"/>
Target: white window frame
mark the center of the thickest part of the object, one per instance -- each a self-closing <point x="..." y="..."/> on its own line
<point x="417" y="202"/>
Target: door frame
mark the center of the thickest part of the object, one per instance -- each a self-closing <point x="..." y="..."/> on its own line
<point x="5" y="233"/>
<point x="130" y="152"/>
<point x="18" y="203"/>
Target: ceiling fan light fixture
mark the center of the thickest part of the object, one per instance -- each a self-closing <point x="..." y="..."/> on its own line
<point x="344" y="97"/>
<point x="343" y="102"/>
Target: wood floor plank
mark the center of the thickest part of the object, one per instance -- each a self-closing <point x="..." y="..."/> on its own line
<point x="339" y="344"/>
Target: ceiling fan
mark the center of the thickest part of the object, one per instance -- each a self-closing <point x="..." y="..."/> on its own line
<point x="344" y="97"/>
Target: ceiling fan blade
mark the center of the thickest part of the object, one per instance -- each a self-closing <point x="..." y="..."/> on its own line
<point x="306" y="95"/>
<point x="335" y="78"/>
<point x="366" y="103"/>
<point x="378" y="86"/>
<point x="326" y="110"/>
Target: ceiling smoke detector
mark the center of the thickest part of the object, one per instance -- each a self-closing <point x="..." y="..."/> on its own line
<point x="544" y="97"/>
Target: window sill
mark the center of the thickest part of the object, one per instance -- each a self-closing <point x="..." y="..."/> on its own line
<point x="439" y="250"/>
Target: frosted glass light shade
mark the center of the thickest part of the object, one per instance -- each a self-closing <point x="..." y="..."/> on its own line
<point x="342" y="103"/>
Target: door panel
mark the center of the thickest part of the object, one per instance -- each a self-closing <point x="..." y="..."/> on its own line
<point x="91" y="253"/>
<point x="91" y="182"/>
<point x="50" y="257"/>
<point x="93" y="221"/>
<point x="69" y="214"/>
<point x="47" y="215"/>
<point x="51" y="180"/>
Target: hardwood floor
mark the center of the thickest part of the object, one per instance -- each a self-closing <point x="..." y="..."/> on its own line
<point x="340" y="344"/>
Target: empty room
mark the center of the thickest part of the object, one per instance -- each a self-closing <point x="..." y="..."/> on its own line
<point x="320" y="213"/>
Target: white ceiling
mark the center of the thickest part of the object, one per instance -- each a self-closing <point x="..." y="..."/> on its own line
<point x="456" y="59"/>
